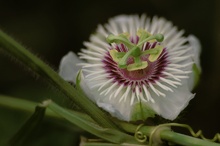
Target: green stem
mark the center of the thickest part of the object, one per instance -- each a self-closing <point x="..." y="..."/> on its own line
<point x="170" y="136"/>
<point x="29" y="127"/>
<point x="130" y="128"/>
<point x="38" y="66"/>
<point x="110" y="135"/>
<point x="24" y="105"/>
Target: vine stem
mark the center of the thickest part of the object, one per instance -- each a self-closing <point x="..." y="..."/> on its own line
<point x="166" y="135"/>
<point x="169" y="135"/>
<point x="19" y="52"/>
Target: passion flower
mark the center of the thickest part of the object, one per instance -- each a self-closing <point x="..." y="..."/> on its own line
<point x="134" y="67"/>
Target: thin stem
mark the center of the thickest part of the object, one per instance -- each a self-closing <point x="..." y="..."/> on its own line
<point x="166" y="135"/>
<point x="38" y="66"/>
<point x="108" y="134"/>
<point x="170" y="136"/>
<point x="29" y="127"/>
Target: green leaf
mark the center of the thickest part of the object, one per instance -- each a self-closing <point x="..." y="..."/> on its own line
<point x="141" y="111"/>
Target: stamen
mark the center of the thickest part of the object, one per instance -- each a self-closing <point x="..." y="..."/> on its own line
<point x="119" y="39"/>
<point x="154" y="56"/>
<point x="142" y="34"/>
<point x="158" y="37"/>
<point x="137" y="66"/>
<point x="116" y="56"/>
<point x="135" y="51"/>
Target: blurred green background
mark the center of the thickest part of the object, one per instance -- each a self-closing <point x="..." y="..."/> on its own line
<point x="52" y="28"/>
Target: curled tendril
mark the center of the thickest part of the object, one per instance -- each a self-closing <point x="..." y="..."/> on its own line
<point x="198" y="134"/>
<point x="140" y="136"/>
<point x="155" y="133"/>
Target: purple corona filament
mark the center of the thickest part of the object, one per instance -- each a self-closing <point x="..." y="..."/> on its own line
<point x="150" y="74"/>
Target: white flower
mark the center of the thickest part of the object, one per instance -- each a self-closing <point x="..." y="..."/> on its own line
<point x="133" y="61"/>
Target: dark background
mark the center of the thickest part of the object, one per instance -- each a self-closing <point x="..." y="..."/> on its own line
<point x="52" y="28"/>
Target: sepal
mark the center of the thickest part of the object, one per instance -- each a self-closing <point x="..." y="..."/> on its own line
<point x="141" y="111"/>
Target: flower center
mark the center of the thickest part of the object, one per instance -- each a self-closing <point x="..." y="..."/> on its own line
<point x="135" y="50"/>
<point x="139" y="74"/>
<point x="135" y="60"/>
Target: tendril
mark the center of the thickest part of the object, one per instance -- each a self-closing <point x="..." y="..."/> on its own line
<point x="198" y="134"/>
<point x="140" y="136"/>
<point x="154" y="135"/>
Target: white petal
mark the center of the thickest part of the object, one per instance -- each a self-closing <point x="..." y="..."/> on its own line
<point x="121" y="110"/>
<point x="196" y="46"/>
<point x="170" y="106"/>
<point x="68" y="68"/>
<point x="112" y="105"/>
<point x="86" y="89"/>
<point x="196" y="49"/>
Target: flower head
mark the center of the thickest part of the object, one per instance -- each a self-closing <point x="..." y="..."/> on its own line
<point x="134" y="65"/>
